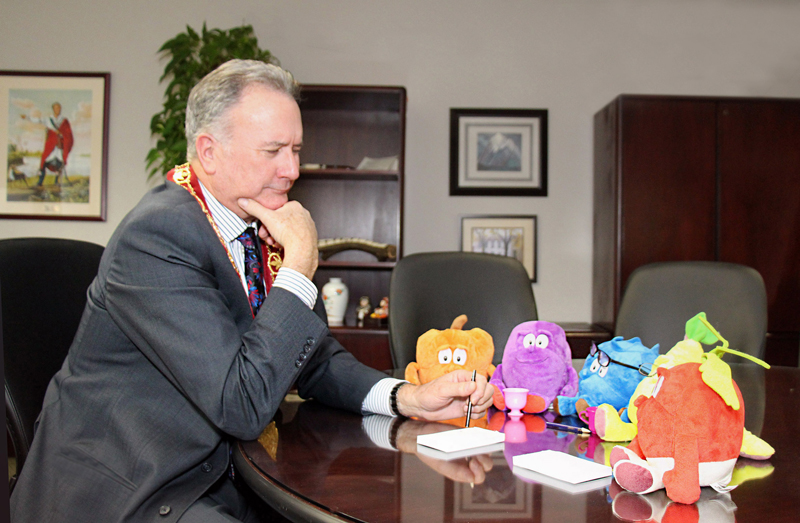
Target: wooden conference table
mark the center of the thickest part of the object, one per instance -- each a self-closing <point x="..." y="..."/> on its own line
<point x="318" y="464"/>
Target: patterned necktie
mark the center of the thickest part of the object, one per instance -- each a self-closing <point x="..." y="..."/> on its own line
<point x="253" y="271"/>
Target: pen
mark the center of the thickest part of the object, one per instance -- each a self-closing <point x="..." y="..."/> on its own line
<point x="567" y="428"/>
<point x="469" y="401"/>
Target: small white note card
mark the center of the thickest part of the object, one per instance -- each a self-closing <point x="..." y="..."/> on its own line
<point x="461" y="440"/>
<point x="561" y="466"/>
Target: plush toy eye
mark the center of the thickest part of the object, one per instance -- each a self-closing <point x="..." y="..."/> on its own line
<point x="459" y="356"/>
<point x="603" y="372"/>
<point x="529" y="340"/>
<point x="542" y="341"/>
<point x="595" y="366"/>
<point x="658" y="386"/>
<point x="445" y="355"/>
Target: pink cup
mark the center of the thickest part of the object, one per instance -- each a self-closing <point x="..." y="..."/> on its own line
<point x="515" y="430"/>
<point x="515" y="399"/>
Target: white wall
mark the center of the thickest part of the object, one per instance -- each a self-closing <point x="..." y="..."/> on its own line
<point x="570" y="57"/>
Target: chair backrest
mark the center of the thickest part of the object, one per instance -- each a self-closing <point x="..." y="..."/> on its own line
<point x="44" y="282"/>
<point x="428" y="290"/>
<point x="660" y="297"/>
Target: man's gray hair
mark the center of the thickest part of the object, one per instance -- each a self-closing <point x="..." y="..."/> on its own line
<point x="219" y="90"/>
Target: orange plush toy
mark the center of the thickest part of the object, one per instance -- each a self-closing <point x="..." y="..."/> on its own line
<point x="440" y="352"/>
<point x="690" y="433"/>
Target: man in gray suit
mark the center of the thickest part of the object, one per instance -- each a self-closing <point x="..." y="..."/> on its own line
<point x="172" y="361"/>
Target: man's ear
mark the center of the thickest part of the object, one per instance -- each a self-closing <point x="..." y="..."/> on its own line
<point x="208" y="150"/>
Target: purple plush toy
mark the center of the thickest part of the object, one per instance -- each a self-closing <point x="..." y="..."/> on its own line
<point x="538" y="358"/>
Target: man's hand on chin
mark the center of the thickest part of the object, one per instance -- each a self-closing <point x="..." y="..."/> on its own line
<point x="292" y="227"/>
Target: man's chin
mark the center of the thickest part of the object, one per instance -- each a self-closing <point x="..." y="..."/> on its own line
<point x="273" y="201"/>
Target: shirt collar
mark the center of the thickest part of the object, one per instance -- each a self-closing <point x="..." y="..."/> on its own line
<point x="230" y="225"/>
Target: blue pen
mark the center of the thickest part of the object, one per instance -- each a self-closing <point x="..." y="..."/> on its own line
<point x="567" y="428"/>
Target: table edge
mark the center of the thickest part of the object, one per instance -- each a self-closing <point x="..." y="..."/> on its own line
<point x="287" y="503"/>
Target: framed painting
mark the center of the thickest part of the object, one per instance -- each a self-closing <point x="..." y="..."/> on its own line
<point x="498" y="152"/>
<point x="513" y="236"/>
<point x="54" y="135"/>
<point x="500" y="493"/>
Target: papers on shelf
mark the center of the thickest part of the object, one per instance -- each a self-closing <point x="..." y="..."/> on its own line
<point x="459" y="443"/>
<point x="562" y="471"/>
<point x="388" y="163"/>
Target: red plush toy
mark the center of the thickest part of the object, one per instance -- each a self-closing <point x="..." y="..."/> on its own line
<point x="690" y="433"/>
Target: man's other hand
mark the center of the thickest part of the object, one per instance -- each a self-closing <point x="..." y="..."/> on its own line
<point x="446" y="397"/>
<point x="292" y="228"/>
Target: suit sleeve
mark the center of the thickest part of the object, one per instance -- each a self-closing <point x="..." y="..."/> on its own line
<point x="172" y="291"/>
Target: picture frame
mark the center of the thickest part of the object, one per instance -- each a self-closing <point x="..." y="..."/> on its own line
<point x="54" y="136"/>
<point x="501" y="492"/>
<point x="513" y="236"/>
<point x="498" y="152"/>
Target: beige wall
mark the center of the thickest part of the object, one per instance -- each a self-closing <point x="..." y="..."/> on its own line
<point x="570" y="57"/>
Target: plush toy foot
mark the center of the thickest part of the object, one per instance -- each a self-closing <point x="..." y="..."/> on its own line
<point x="619" y="453"/>
<point x="535" y="404"/>
<point x="497" y="399"/>
<point x="534" y="424"/>
<point x="636" y="476"/>
<point x="632" y="472"/>
<point x="754" y="447"/>
<point x="580" y="406"/>
<point x="610" y="427"/>
<point x="633" y="507"/>
<point x="497" y="421"/>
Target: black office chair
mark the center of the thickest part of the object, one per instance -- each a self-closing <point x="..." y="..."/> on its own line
<point x="660" y="297"/>
<point x="428" y="290"/>
<point x="43" y="294"/>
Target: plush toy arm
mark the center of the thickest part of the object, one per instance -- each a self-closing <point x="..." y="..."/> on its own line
<point x="565" y="405"/>
<point x="412" y="373"/>
<point x="683" y="481"/>
<point x="497" y="380"/>
<point x="570" y="388"/>
<point x="497" y="377"/>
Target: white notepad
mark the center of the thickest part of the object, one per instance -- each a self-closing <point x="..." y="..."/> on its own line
<point x="562" y="471"/>
<point x="460" y="442"/>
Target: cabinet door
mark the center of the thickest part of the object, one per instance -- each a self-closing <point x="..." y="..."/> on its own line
<point x="759" y="162"/>
<point x="667" y="181"/>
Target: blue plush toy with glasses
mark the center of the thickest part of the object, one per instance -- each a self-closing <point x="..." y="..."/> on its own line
<point x="610" y="375"/>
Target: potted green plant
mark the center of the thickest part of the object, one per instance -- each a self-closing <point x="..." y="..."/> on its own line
<point x="191" y="57"/>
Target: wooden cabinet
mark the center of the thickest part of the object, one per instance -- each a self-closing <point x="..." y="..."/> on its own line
<point x="342" y="125"/>
<point x="700" y="178"/>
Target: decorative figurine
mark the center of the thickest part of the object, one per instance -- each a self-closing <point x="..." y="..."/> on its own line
<point x="382" y="310"/>
<point x="380" y="315"/>
<point x="363" y="309"/>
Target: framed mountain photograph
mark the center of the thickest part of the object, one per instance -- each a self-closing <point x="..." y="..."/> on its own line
<point x="498" y="152"/>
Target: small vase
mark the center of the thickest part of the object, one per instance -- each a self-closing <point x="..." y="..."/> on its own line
<point x="335" y="295"/>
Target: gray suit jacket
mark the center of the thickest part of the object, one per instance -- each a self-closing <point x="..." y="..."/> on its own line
<point x="167" y="366"/>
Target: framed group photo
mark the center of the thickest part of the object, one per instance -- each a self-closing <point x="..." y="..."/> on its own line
<point x="498" y="152"/>
<point x="54" y="135"/>
<point x="513" y="236"/>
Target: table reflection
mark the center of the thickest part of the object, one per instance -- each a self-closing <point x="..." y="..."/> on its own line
<point x="325" y="457"/>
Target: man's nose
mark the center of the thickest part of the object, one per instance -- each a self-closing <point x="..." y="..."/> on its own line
<point x="291" y="165"/>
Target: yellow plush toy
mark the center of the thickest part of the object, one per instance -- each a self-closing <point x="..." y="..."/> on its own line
<point x="440" y="352"/>
<point x="610" y="427"/>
